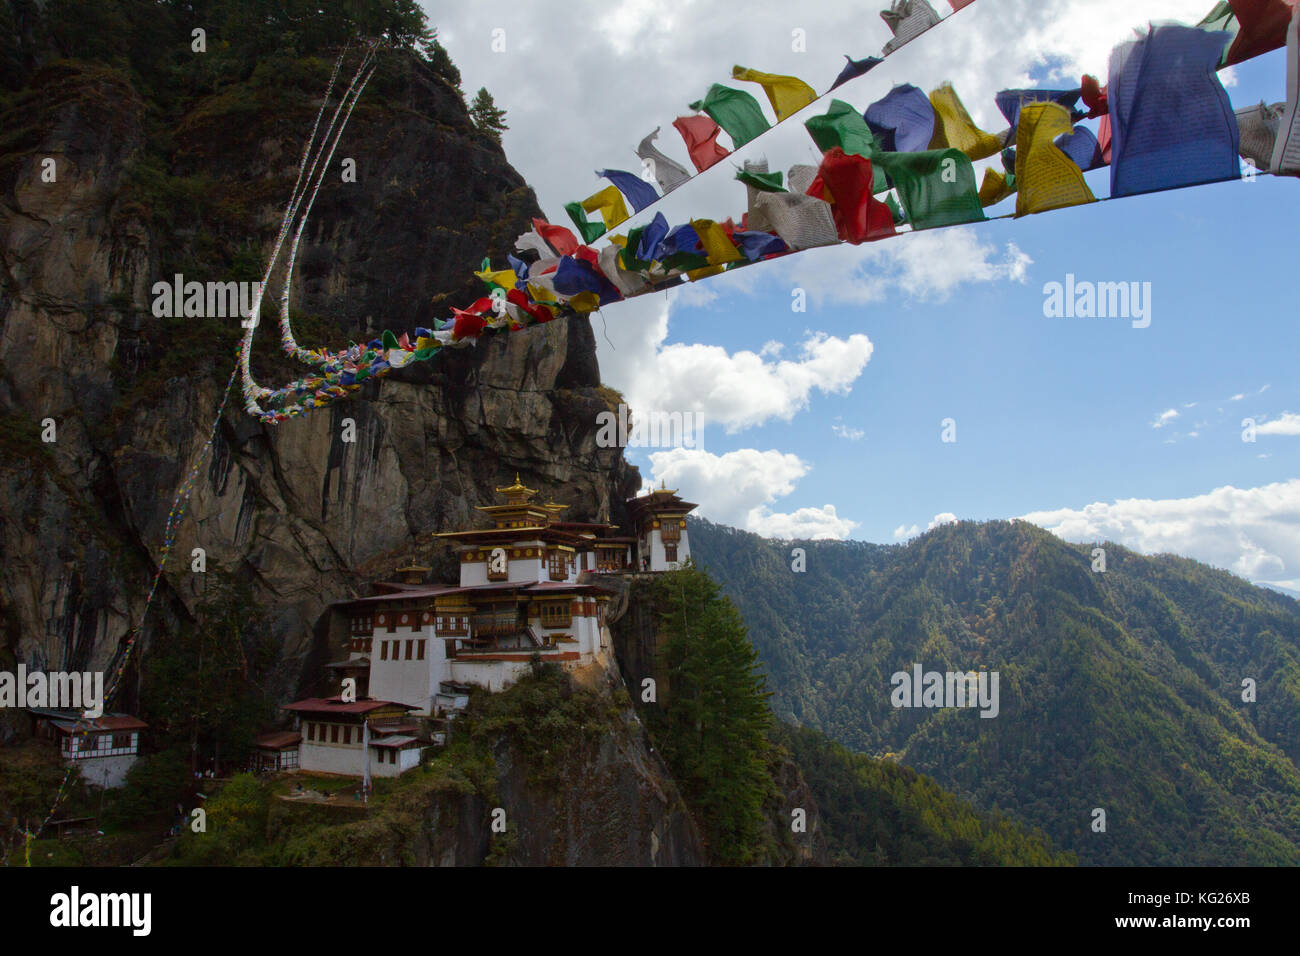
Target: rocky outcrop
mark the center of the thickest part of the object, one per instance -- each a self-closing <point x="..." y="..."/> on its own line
<point x="304" y="514"/>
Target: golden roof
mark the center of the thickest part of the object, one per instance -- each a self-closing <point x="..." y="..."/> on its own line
<point x="517" y="488"/>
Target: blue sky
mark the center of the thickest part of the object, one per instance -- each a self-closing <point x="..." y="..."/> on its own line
<point x="827" y="422"/>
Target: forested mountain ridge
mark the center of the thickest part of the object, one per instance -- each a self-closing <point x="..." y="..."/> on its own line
<point x="1119" y="691"/>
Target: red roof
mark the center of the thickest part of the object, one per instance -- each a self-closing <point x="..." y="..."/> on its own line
<point x="335" y="705"/>
<point x="280" y="740"/>
<point x="109" y="722"/>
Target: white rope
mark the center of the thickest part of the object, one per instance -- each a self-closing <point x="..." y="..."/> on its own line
<point x="252" y="391"/>
<point x="286" y="330"/>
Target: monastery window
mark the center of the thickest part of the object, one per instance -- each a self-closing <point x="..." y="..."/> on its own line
<point x="558" y="565"/>
<point x="410" y="650"/>
<point x="383" y="650"/>
<point x="556" y="614"/>
<point x="419" y="647"/>
<point x="311" y="731"/>
<point x="334" y="733"/>
<point x="121" y="741"/>
<point x="670" y="552"/>
<point x="670" y="532"/>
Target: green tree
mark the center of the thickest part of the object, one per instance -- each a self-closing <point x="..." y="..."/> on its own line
<point x="487" y="115"/>
<point x="202" y="692"/>
<point x="714" y="720"/>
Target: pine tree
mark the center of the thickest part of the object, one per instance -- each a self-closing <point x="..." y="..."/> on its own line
<point x="487" y="115"/>
<point x="713" y="727"/>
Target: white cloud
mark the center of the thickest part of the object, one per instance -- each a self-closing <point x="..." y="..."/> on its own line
<point x="1238" y="397"/>
<point x="926" y="266"/>
<point x="1288" y="424"/>
<point x="849" y="432"/>
<point x="1164" y="418"/>
<point x="740" y="487"/>
<point x="736" y="390"/>
<point x="811" y="523"/>
<point x="902" y="531"/>
<point x="1253" y="532"/>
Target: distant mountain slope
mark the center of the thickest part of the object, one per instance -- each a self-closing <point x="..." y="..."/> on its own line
<point x="1119" y="690"/>
<point x="876" y="813"/>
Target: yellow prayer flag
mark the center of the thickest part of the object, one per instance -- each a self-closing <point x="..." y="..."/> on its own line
<point x="703" y="272"/>
<point x="717" y="247"/>
<point x="954" y="128"/>
<point x="540" y="293"/>
<point x="584" y="302"/>
<point x="505" y="278"/>
<point x="787" y="94"/>
<point x="620" y="241"/>
<point x="609" y="201"/>
<point x="994" y="188"/>
<point x="1045" y="177"/>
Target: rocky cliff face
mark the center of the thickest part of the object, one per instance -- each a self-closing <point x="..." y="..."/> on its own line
<point x="307" y="516"/>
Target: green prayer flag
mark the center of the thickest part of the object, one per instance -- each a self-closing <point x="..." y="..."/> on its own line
<point x="735" y="111"/>
<point x="766" y="182"/>
<point x="937" y="187"/>
<point x="685" y="261"/>
<point x="591" y="231"/>
<point x="842" y="126"/>
<point x="900" y="217"/>
<point x="627" y="255"/>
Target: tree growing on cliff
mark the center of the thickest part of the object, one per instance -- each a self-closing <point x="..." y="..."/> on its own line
<point x="487" y="116"/>
<point x="714" y="720"/>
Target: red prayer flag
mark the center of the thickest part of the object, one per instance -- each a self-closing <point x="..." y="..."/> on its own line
<point x="561" y="240"/>
<point x="1103" y="136"/>
<point x="859" y="216"/>
<point x="405" y="342"/>
<point x="538" y="312"/>
<point x="1094" y="97"/>
<point x="1263" y="27"/>
<point x="701" y="136"/>
<point x="467" y="326"/>
<point x="588" y="254"/>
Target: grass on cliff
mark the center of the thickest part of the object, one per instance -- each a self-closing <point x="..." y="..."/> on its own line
<point x="544" y="718"/>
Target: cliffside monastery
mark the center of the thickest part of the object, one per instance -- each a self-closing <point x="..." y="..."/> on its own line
<point x="530" y="585"/>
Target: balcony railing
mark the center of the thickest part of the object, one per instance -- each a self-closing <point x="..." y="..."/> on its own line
<point x="487" y="625"/>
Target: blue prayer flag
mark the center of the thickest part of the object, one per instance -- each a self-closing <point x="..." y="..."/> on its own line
<point x="855" y="68"/>
<point x="903" y="122"/>
<point x="1171" y="120"/>
<point x="638" y="192"/>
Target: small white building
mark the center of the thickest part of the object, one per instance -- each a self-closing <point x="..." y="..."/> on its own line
<point x="659" y="528"/>
<point x="355" y="738"/>
<point x="101" y="749"/>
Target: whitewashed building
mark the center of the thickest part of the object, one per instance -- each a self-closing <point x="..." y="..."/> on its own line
<point x="529" y="588"/>
<point x="356" y="738"/>
<point x="659" y="529"/>
<point x="101" y="749"/>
